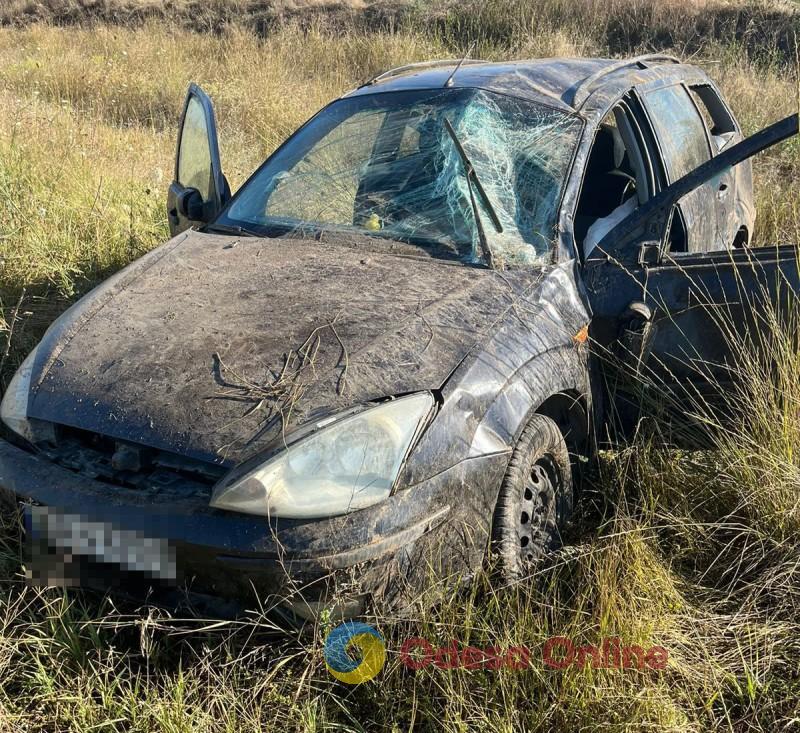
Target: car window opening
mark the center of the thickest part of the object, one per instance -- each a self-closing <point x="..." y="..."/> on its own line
<point x="622" y="172"/>
<point x="718" y="119"/>
<point x="615" y="180"/>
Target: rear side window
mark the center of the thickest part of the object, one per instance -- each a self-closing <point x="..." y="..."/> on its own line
<point x="680" y="130"/>
<point x="720" y="122"/>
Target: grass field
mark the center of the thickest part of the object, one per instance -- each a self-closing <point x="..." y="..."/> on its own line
<point x="696" y="552"/>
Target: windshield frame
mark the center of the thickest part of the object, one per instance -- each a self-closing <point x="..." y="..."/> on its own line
<point x="279" y="230"/>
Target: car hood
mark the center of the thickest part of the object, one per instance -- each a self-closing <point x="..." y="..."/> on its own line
<point x="211" y="346"/>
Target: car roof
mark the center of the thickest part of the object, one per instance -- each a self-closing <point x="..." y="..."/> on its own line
<point x="565" y="83"/>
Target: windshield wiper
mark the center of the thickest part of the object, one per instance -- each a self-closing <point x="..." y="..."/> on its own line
<point x="230" y="229"/>
<point x="473" y="182"/>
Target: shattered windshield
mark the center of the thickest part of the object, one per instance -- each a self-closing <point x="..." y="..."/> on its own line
<point x="385" y="166"/>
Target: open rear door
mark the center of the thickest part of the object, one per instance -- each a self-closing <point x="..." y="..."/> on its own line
<point x="680" y="324"/>
<point x="199" y="189"/>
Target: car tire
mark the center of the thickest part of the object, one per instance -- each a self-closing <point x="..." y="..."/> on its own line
<point x="535" y="500"/>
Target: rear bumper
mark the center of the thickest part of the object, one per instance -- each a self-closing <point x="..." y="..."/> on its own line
<point x="377" y="551"/>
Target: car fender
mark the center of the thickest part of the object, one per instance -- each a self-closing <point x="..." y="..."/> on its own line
<point x="538" y="350"/>
<point x="561" y="371"/>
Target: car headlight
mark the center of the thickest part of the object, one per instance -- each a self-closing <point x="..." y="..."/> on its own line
<point x="347" y="465"/>
<point x="14" y="408"/>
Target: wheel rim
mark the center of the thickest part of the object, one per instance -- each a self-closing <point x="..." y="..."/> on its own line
<point x="536" y="512"/>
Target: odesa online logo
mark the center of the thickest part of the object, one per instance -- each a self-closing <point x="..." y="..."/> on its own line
<point x="354" y="652"/>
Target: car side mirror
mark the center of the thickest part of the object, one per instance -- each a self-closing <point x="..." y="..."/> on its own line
<point x="191" y="205"/>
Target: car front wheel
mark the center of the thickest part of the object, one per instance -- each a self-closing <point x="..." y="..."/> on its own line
<point x="535" y="500"/>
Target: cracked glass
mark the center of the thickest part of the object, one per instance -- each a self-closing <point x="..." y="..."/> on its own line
<point x="384" y="165"/>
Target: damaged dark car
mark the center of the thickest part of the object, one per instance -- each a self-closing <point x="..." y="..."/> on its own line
<point x="379" y="361"/>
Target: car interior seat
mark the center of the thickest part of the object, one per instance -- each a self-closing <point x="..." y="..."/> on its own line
<point x="607" y="180"/>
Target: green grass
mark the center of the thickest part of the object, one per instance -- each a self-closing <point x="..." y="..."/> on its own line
<point x="693" y="551"/>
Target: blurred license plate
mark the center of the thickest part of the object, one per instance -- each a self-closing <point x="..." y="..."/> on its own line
<point x="76" y="537"/>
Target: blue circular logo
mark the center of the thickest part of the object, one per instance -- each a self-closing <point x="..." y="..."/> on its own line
<point x="354" y="652"/>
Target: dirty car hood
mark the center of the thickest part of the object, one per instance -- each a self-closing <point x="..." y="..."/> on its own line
<point x="209" y="346"/>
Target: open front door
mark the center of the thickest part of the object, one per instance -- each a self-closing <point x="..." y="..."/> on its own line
<point x="680" y="324"/>
<point x="199" y="189"/>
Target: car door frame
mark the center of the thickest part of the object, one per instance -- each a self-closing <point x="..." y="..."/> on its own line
<point x="632" y="238"/>
<point x="631" y="266"/>
<point x="185" y="208"/>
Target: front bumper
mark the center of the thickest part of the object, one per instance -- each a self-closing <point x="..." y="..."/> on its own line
<point x="436" y="529"/>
